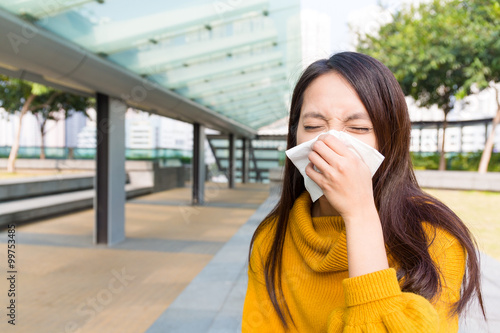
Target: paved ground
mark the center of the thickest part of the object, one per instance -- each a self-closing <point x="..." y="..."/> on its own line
<point x="181" y="269"/>
<point x="66" y="284"/>
<point x="213" y="301"/>
<point x="474" y="321"/>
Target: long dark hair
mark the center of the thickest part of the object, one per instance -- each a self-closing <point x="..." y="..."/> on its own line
<point x="401" y="204"/>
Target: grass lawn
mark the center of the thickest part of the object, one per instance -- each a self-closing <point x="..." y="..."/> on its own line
<point x="480" y="212"/>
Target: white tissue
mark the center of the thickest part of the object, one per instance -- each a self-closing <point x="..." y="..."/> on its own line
<point x="298" y="155"/>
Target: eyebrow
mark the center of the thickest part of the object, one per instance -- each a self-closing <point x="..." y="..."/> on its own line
<point x="353" y="116"/>
<point x="357" y="115"/>
<point x="314" y="115"/>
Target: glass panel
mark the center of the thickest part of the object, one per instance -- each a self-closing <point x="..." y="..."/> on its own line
<point x="281" y="144"/>
<point x="238" y="58"/>
<point x="267" y="164"/>
<point x="266" y="154"/>
<point x="219" y="143"/>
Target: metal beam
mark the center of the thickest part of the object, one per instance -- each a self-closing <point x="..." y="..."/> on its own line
<point x="243" y="108"/>
<point x="253" y="92"/>
<point x="42" y="8"/>
<point x="41" y="53"/>
<point x="264" y="106"/>
<point x="270" y="96"/>
<point x="257" y="119"/>
<point x="242" y="87"/>
<point x="214" y="152"/>
<point x="258" y="79"/>
<point x="185" y="76"/>
<point x="254" y="160"/>
<point x="164" y="57"/>
<point x="114" y="37"/>
<point x="265" y="121"/>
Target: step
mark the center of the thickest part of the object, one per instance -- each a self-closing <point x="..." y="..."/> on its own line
<point x="21" y="188"/>
<point x="41" y="207"/>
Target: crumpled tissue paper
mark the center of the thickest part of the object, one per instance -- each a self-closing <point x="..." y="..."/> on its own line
<point x="298" y="155"/>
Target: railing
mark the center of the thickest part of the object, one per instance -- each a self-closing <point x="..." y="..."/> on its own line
<point x="89" y="153"/>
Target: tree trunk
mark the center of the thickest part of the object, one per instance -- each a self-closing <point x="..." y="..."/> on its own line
<point x="42" y="139"/>
<point x="15" y="146"/>
<point x="442" y="158"/>
<point x="42" y="144"/>
<point x="490" y="142"/>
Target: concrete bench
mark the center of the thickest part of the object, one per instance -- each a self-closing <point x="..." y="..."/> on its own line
<point x="459" y="180"/>
<point x="49" y="205"/>
<point x="22" y="188"/>
<point x="28" y="199"/>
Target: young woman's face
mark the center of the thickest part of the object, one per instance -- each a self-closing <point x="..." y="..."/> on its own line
<point x="331" y="103"/>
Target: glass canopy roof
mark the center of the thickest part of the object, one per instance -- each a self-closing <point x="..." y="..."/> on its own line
<point x="238" y="58"/>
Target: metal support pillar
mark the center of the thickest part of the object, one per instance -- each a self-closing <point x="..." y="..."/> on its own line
<point x="461" y="139"/>
<point x="438" y="147"/>
<point x="109" y="199"/>
<point x="232" y="155"/>
<point x="245" y="158"/>
<point x="420" y="140"/>
<point x="198" y="164"/>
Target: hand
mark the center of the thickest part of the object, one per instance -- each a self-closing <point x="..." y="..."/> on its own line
<point x="344" y="178"/>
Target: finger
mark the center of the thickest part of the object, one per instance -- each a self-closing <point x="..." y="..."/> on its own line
<point x="334" y="144"/>
<point x="313" y="174"/>
<point x="318" y="161"/>
<point x="328" y="154"/>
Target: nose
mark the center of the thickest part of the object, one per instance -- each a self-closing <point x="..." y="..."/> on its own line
<point x="337" y="126"/>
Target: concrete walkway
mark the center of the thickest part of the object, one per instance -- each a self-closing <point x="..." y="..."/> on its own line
<point x="66" y="284"/>
<point x="474" y="321"/>
<point x="213" y="301"/>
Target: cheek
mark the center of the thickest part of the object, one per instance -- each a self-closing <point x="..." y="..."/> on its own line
<point x="370" y="140"/>
<point x="303" y="136"/>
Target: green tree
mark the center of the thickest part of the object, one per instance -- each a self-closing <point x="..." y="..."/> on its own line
<point x="57" y="102"/>
<point x="16" y="94"/>
<point x="439" y="50"/>
<point x="486" y="16"/>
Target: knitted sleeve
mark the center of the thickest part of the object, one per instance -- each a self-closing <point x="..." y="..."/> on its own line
<point x="375" y="303"/>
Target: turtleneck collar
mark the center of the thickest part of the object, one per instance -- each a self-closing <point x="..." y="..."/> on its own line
<point x="321" y="241"/>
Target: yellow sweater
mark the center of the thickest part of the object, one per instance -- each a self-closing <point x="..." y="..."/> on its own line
<point x="322" y="298"/>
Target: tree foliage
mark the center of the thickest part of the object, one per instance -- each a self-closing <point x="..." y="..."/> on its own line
<point x="44" y="102"/>
<point x="440" y="51"/>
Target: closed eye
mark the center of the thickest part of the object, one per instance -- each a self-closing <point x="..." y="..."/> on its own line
<point x="359" y="130"/>
<point x="309" y="128"/>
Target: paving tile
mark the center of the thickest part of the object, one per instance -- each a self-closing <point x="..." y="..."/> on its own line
<point x="182" y="321"/>
<point x="220" y="287"/>
<point x="67" y="284"/>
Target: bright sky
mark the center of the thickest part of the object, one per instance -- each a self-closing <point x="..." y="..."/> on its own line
<point x="341" y="11"/>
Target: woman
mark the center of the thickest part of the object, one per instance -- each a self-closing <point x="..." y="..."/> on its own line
<point x="371" y="255"/>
